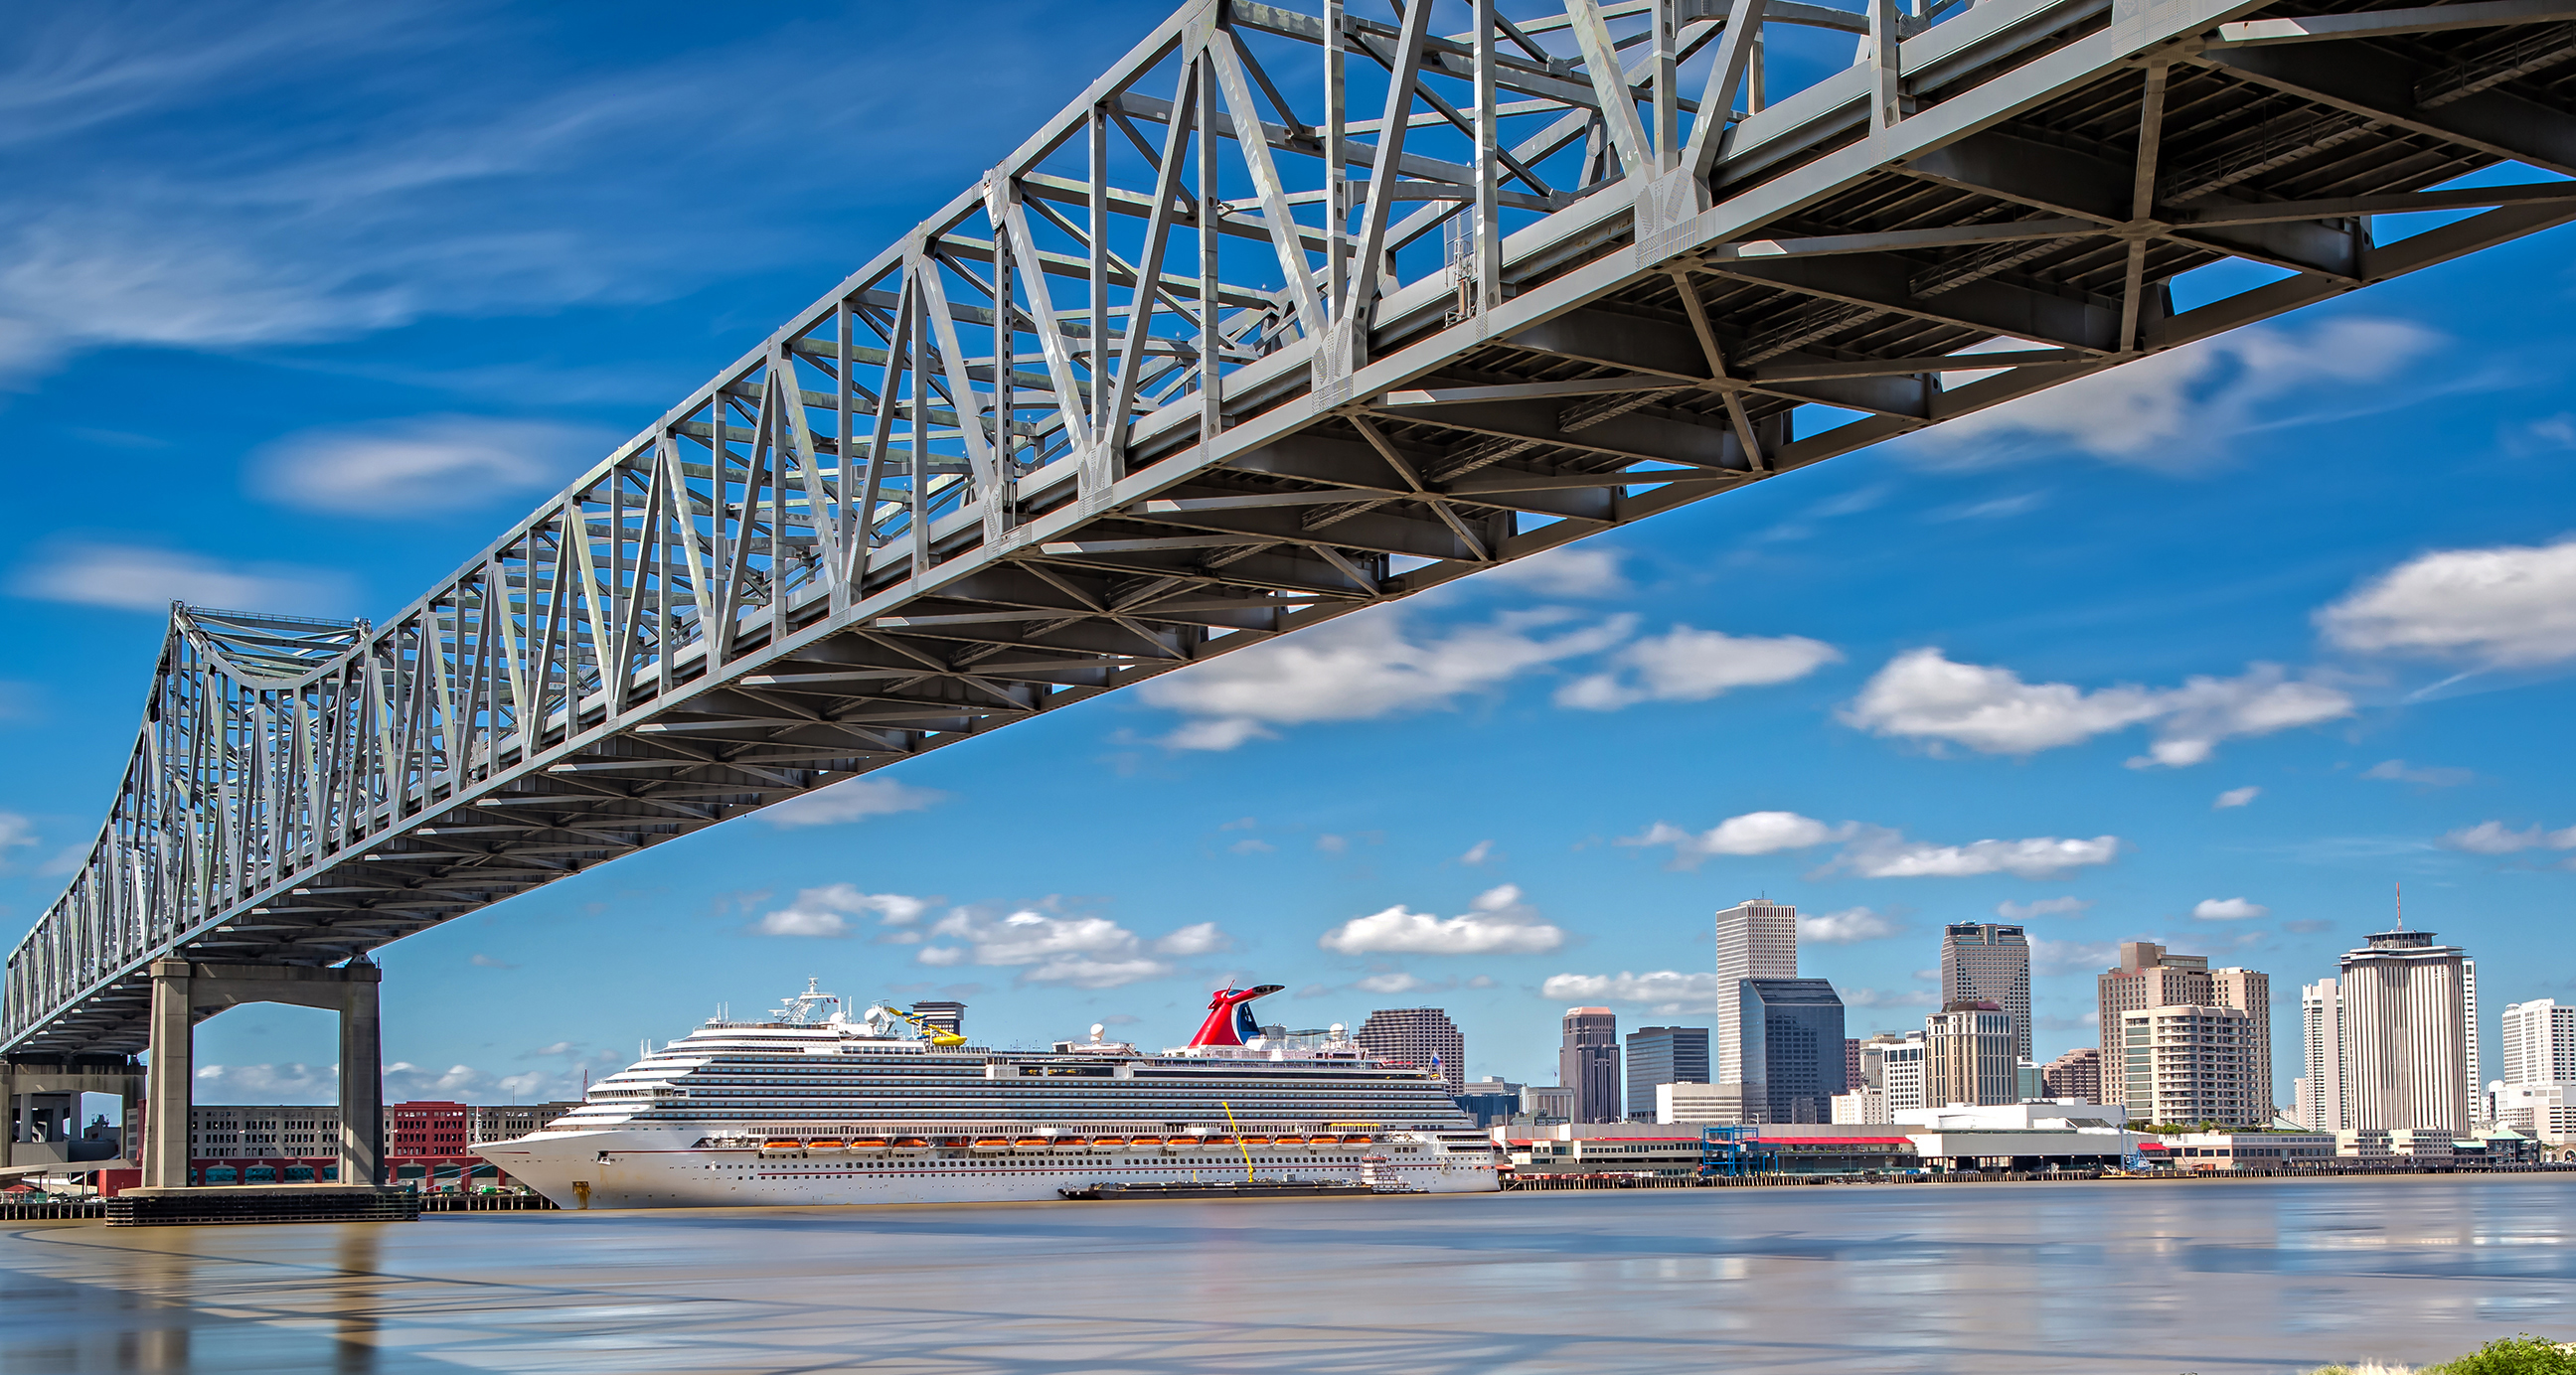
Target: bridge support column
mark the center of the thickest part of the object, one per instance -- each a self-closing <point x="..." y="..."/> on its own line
<point x="185" y="992"/>
<point x="170" y="1080"/>
<point x="362" y="1079"/>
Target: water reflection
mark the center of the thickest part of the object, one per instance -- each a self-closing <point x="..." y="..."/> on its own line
<point x="2004" y="1278"/>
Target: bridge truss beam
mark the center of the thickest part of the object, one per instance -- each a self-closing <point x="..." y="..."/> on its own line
<point x="1161" y="386"/>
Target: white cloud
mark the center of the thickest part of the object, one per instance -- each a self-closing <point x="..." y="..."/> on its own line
<point x="1889" y="855"/>
<point x="1690" y="665"/>
<point x="1361" y="667"/>
<point x="1752" y="833"/>
<point x="1077" y="951"/>
<point x="1397" y="982"/>
<point x="16" y="833"/>
<point x="482" y="961"/>
<point x="1200" y="938"/>
<point x="1479" y="853"/>
<point x="2494" y="838"/>
<point x="1847" y="926"/>
<point x="2510" y="606"/>
<point x="2071" y="957"/>
<point x="401" y="469"/>
<point x="1665" y="991"/>
<point x="855" y="799"/>
<point x="1571" y="570"/>
<point x="2044" y="907"/>
<point x="1497" y="922"/>
<point x="2229" y="909"/>
<point x="272" y="1083"/>
<point x="2235" y="797"/>
<point x="1923" y="695"/>
<point x="2428" y="776"/>
<point x="1883" y="998"/>
<point x="2175" y="410"/>
<point x="827" y="911"/>
<point x="131" y="578"/>
<point x="1333" y="844"/>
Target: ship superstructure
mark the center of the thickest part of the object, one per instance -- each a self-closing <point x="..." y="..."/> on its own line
<point x="814" y="1106"/>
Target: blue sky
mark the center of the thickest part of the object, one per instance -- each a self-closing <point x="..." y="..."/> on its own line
<point x="2214" y="650"/>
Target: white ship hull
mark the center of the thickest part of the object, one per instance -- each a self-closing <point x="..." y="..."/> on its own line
<point x="659" y="1169"/>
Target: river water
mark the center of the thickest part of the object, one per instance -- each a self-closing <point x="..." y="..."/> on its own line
<point x="2164" y="1277"/>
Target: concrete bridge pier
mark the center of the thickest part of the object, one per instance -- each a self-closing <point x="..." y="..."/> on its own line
<point x="41" y="1095"/>
<point x="186" y="992"/>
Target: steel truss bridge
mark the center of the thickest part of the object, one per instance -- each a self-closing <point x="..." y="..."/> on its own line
<point x="1290" y="313"/>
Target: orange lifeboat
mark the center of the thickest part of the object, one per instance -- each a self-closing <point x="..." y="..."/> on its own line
<point x="1031" y="1144"/>
<point x="781" y="1145"/>
<point x="1361" y="1139"/>
<point x="990" y="1145"/>
<point x="1289" y="1142"/>
<point x="1106" y="1144"/>
<point x="824" y="1143"/>
<point x="1144" y="1143"/>
<point x="1258" y="1143"/>
<point x="1182" y="1145"/>
<point x="1220" y="1143"/>
<point x="870" y="1145"/>
<point x="910" y="1145"/>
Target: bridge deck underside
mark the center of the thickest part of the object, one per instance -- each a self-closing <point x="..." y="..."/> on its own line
<point x="1842" y="262"/>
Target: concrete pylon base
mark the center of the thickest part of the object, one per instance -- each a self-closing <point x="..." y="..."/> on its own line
<point x="224" y="1204"/>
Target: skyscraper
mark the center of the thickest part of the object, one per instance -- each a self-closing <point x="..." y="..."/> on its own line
<point x="2320" y="1102"/>
<point x="1419" y="1036"/>
<point x="2147" y="976"/>
<point x="2191" y="1064"/>
<point x="2539" y="1042"/>
<point x="2410" y="1047"/>
<point x="1756" y="939"/>
<point x="1968" y="1055"/>
<point x="1793" y="1049"/>
<point x="1663" y="1055"/>
<point x="1984" y="961"/>
<point x="1588" y="1063"/>
<point x="2250" y="991"/>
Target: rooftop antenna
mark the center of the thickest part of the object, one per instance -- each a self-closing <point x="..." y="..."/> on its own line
<point x="2401" y="904"/>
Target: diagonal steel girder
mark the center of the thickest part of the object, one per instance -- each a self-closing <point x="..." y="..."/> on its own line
<point x="1058" y="440"/>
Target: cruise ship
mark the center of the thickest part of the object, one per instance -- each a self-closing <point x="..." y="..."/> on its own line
<point x="816" y="1106"/>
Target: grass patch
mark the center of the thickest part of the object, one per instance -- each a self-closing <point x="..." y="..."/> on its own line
<point x="2523" y="1355"/>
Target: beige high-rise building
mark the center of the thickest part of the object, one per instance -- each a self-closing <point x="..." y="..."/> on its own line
<point x="1756" y="939"/>
<point x="2250" y="991"/>
<point x="1984" y="961"/>
<point x="2410" y="1040"/>
<point x="2148" y="976"/>
<point x="2191" y="1064"/>
<point x="1969" y="1055"/>
<point x="2151" y="976"/>
<point x="2076" y="1074"/>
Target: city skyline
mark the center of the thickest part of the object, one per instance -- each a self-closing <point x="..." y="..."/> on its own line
<point x="2041" y="670"/>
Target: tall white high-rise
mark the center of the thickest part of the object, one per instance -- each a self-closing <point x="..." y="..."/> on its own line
<point x="1984" y="961"/>
<point x="2322" y="1105"/>
<point x="2539" y="1042"/>
<point x="2410" y="1041"/>
<point x="1756" y="939"/>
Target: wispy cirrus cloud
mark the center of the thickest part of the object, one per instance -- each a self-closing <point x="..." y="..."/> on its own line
<point x="124" y="577"/>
